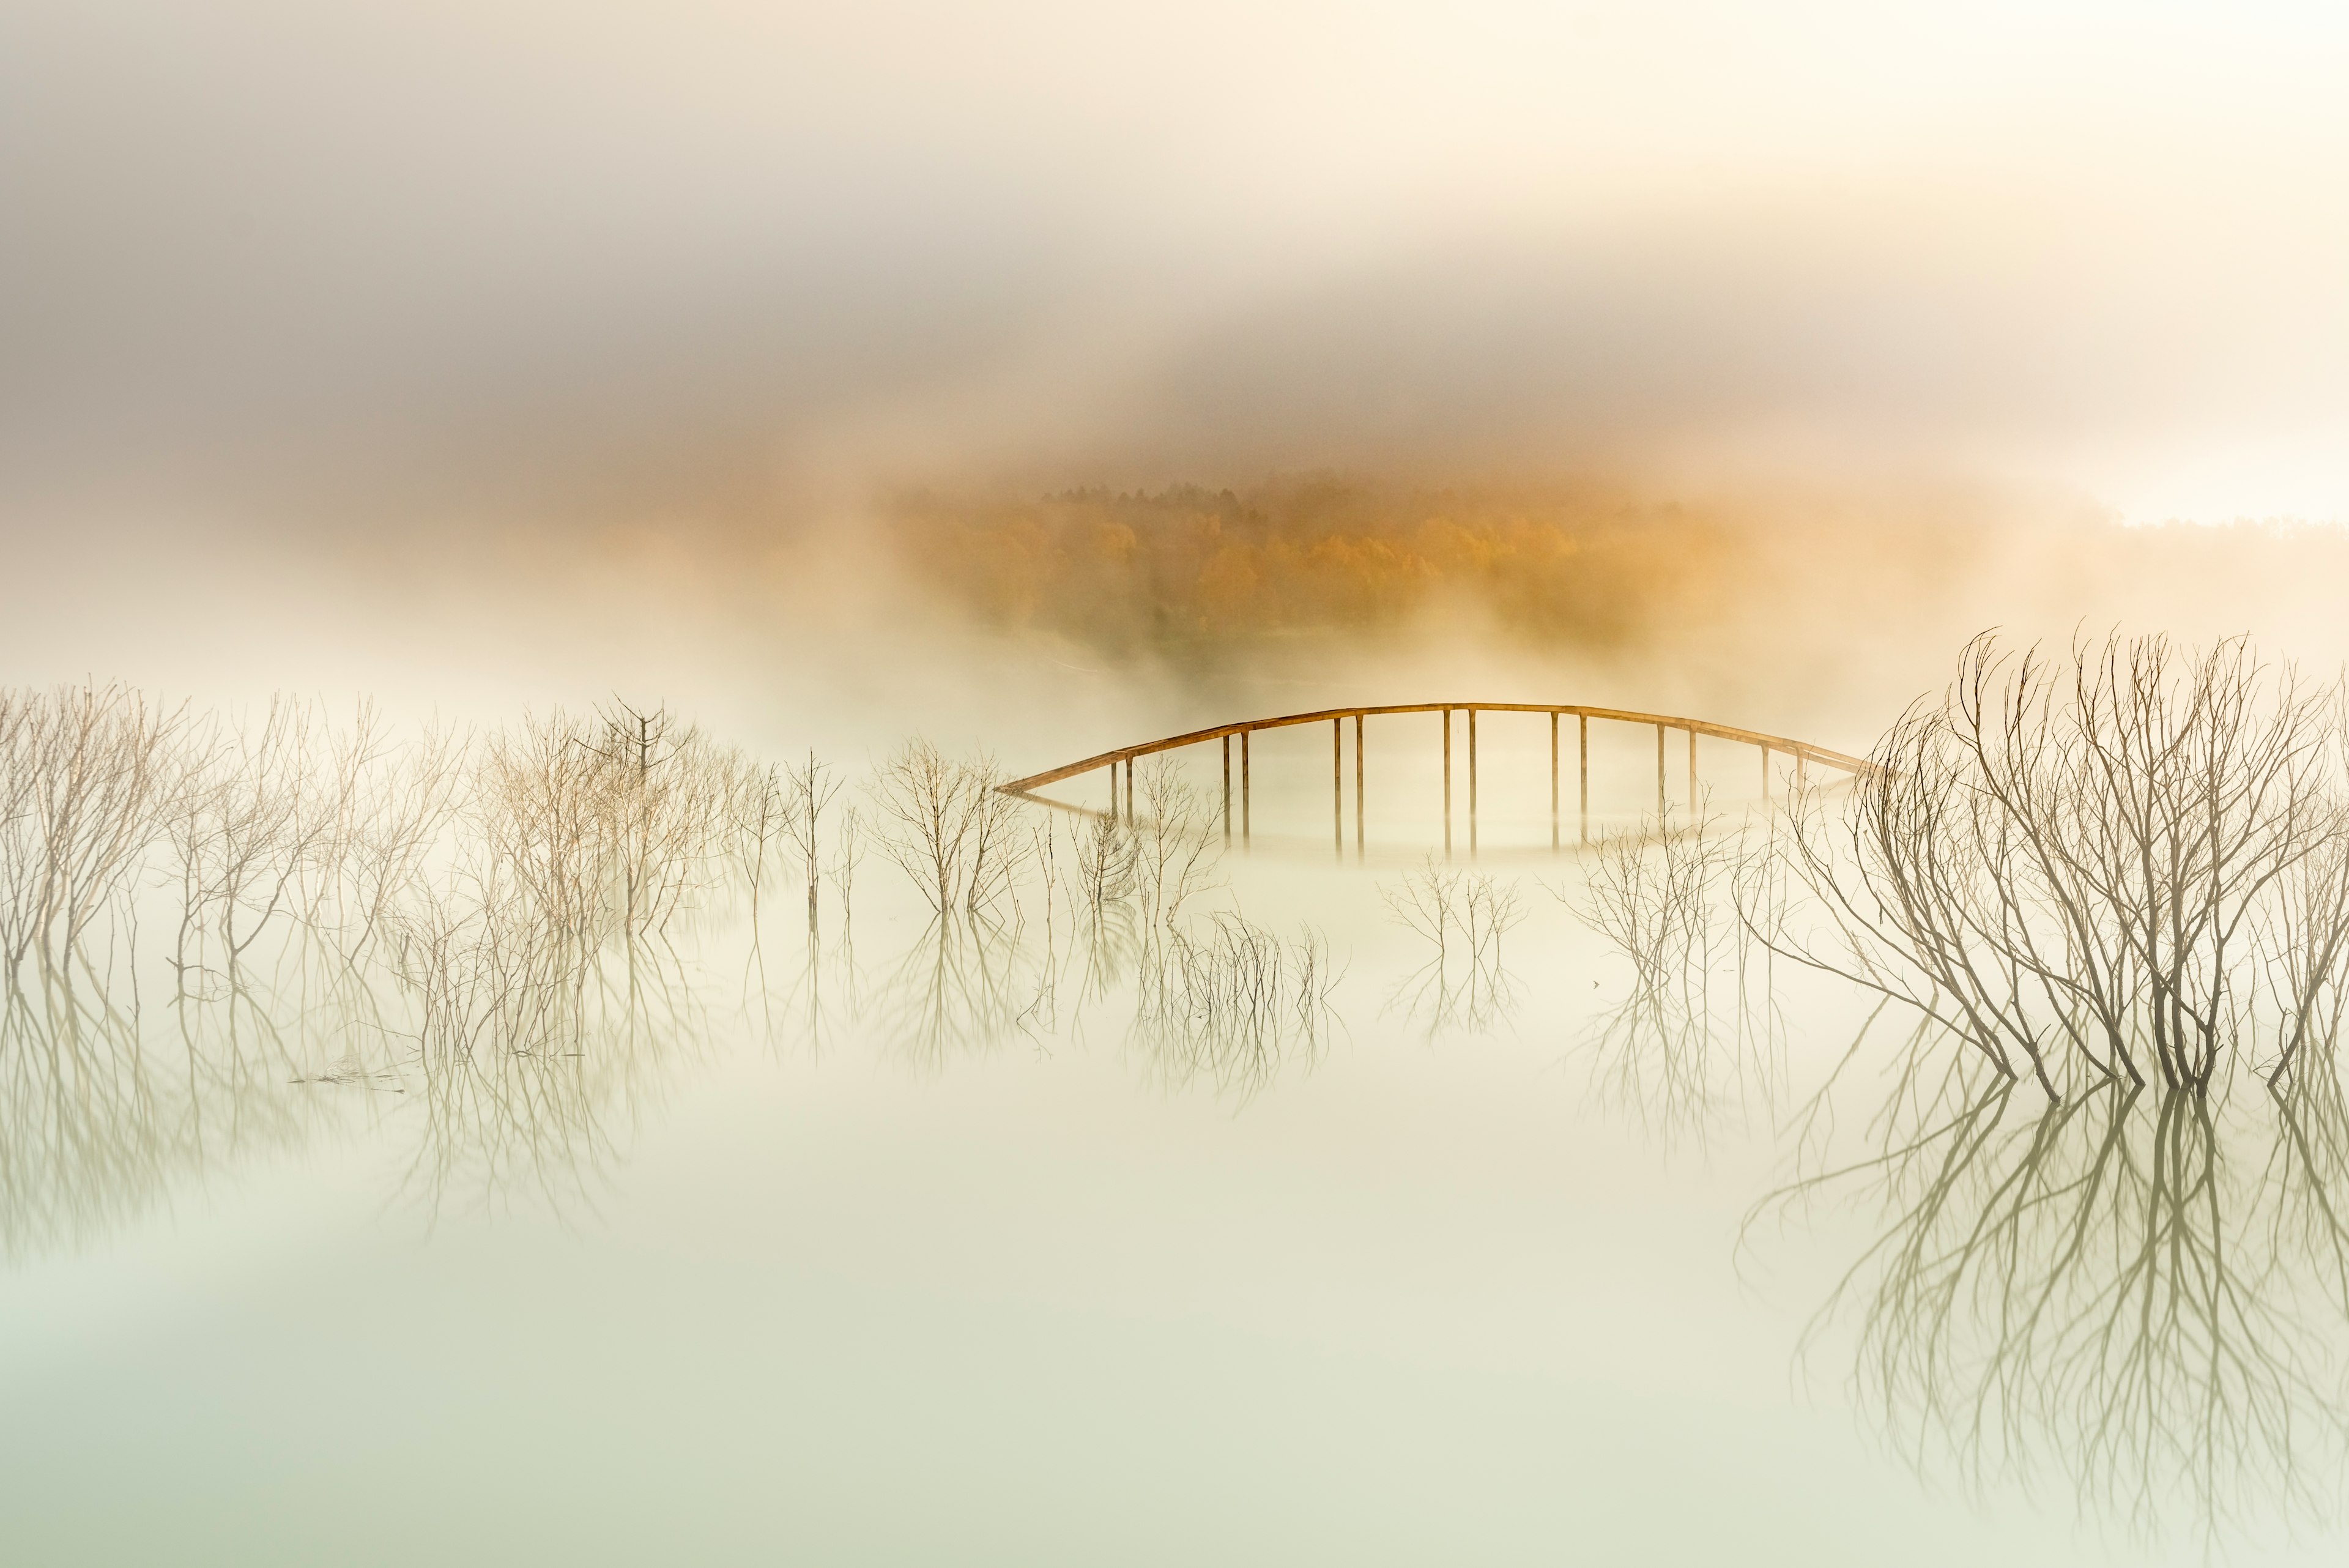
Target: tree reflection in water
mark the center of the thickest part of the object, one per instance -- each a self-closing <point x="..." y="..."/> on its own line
<point x="2143" y="1292"/>
<point x="1699" y="1039"/>
<point x="107" y="1111"/>
<point x="1111" y="913"/>
<point x="552" y="1122"/>
<point x="1230" y="1002"/>
<point x="97" y="1126"/>
<point x="967" y="984"/>
<point x="1459" y="917"/>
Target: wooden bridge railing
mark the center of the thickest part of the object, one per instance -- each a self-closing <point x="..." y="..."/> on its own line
<point x="1803" y="751"/>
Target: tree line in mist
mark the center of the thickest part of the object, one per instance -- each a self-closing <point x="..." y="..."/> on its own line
<point x="1203" y="575"/>
<point x="1189" y="567"/>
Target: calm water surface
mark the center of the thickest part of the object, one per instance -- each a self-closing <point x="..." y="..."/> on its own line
<point x="896" y="1248"/>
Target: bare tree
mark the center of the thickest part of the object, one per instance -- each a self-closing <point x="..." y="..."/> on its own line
<point x="762" y="808"/>
<point x="811" y="786"/>
<point x="86" y="778"/>
<point x="1107" y="860"/>
<point x="604" y="838"/>
<point x="2075" y="866"/>
<point x="999" y="842"/>
<point x="635" y="741"/>
<point x="922" y="801"/>
<point x="1174" y="843"/>
<point x="946" y="825"/>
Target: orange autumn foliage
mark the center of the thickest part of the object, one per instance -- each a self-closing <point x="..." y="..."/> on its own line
<point x="1191" y="567"/>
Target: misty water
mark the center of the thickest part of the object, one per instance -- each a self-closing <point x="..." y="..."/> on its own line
<point x="999" y="1240"/>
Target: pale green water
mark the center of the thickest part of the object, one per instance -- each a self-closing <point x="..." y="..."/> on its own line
<point x="861" y="1268"/>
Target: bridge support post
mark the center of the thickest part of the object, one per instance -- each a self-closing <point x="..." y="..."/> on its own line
<point x="1769" y="804"/>
<point x="1338" y="784"/>
<point x="1660" y="778"/>
<point x="1692" y="775"/>
<point x="1582" y="722"/>
<point x="1129" y="789"/>
<point x="1244" y="786"/>
<point x="1472" y="782"/>
<point x="1553" y="779"/>
<point x="1358" y="786"/>
<point x="1113" y="789"/>
<point x="1228" y="789"/>
<point x="1447" y="783"/>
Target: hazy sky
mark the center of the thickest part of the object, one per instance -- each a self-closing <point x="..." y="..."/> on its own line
<point x="417" y="252"/>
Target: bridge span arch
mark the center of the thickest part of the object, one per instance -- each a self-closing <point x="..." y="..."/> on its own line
<point x="1803" y="753"/>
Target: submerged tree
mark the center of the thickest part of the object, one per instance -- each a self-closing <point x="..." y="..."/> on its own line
<point x="89" y="776"/>
<point x="2091" y="868"/>
<point x="946" y="824"/>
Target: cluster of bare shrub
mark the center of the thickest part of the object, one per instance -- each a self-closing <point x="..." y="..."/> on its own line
<point x="2129" y="866"/>
<point x="487" y="876"/>
<point x="2105" y="889"/>
<point x="579" y="836"/>
<point x="491" y="922"/>
<point x="88" y="780"/>
<point x="471" y="920"/>
<point x="2122" y="879"/>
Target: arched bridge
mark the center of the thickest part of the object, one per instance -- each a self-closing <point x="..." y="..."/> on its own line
<point x="1803" y="752"/>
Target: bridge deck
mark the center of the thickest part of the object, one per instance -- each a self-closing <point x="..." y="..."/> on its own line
<point x="1802" y="750"/>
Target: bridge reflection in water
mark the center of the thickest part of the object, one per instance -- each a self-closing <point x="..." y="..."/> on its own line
<point x="1121" y="792"/>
